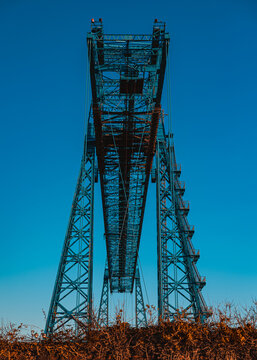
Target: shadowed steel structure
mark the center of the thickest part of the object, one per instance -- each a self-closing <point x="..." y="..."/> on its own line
<point x="125" y="133"/>
<point x="127" y="73"/>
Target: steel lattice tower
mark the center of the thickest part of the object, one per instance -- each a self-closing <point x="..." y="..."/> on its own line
<point x="125" y="143"/>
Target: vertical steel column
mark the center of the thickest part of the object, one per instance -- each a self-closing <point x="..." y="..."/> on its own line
<point x="103" y="312"/>
<point x="139" y="302"/>
<point x="71" y="301"/>
<point x="159" y="240"/>
<point x="179" y="283"/>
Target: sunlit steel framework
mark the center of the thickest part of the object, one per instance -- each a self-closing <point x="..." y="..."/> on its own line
<point x="179" y="282"/>
<point x="125" y="131"/>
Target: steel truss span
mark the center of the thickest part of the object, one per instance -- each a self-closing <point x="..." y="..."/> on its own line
<point x="125" y="137"/>
<point x="127" y="75"/>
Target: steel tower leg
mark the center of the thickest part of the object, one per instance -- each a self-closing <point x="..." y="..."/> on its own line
<point x="139" y="302"/>
<point x="179" y="283"/>
<point x="71" y="301"/>
<point x="103" y="313"/>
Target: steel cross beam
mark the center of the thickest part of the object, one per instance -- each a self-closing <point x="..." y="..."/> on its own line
<point x="72" y="296"/>
<point x="179" y="282"/>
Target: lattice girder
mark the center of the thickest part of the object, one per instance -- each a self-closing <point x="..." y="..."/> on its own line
<point x="141" y="320"/>
<point x="179" y="283"/>
<point x="127" y="74"/>
<point x="71" y="303"/>
<point x="103" y="312"/>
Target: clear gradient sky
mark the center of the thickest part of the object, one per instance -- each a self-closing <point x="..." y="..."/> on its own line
<point x="43" y="59"/>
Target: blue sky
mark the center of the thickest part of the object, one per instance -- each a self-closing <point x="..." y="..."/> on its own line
<point x="43" y="61"/>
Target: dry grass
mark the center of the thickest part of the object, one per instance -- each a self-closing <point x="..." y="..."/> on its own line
<point x="228" y="335"/>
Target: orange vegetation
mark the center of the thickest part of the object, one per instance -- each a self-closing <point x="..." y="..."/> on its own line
<point x="226" y="335"/>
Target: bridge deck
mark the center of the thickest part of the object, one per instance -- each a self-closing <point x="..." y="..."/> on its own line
<point x="127" y="73"/>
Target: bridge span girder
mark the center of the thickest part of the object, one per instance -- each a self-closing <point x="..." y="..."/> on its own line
<point x="127" y="73"/>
